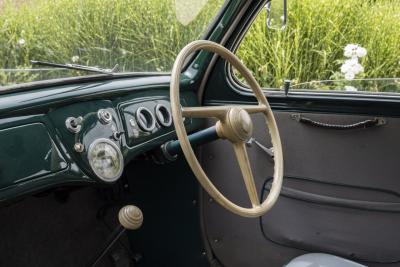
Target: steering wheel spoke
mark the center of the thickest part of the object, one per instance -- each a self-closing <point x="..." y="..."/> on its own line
<point x="244" y="164"/>
<point x="219" y="112"/>
<point x="260" y="108"/>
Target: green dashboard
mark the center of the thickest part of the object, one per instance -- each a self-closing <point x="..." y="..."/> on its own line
<point x="54" y="136"/>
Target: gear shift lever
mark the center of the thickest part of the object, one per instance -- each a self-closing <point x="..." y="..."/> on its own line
<point x="130" y="218"/>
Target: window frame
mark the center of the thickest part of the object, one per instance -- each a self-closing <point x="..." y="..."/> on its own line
<point x="243" y="89"/>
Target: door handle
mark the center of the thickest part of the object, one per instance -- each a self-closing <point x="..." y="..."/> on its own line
<point x="357" y="125"/>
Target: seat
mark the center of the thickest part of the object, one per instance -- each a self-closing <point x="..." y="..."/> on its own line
<point x="321" y="260"/>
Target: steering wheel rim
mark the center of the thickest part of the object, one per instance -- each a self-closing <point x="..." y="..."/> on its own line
<point x="234" y="124"/>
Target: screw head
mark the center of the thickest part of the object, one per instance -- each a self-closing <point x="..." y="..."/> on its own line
<point x="79" y="147"/>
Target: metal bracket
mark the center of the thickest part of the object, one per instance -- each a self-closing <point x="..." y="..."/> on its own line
<point x="269" y="151"/>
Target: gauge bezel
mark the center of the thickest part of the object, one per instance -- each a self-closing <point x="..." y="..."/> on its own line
<point x="141" y="124"/>
<point x="121" y="159"/>
<point x="164" y="121"/>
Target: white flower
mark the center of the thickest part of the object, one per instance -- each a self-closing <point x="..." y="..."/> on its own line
<point x="349" y="75"/>
<point x="361" y="52"/>
<point x="352" y="65"/>
<point x="354" y="51"/>
<point x="21" y="41"/>
<point x="75" y="59"/>
<point x="350" y="88"/>
<point x="349" y="50"/>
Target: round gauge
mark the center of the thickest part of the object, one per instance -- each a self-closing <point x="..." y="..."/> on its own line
<point x="106" y="159"/>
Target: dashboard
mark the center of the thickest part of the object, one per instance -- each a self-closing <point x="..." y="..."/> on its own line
<point x="84" y="139"/>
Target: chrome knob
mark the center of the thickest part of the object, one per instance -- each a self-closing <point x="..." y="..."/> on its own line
<point x="130" y="217"/>
<point x="104" y="116"/>
<point x="73" y="124"/>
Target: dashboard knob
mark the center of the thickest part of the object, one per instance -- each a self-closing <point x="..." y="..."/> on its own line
<point x="104" y="116"/>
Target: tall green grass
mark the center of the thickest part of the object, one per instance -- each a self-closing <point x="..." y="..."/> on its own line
<point x="144" y="35"/>
<point x="311" y="47"/>
<point x="139" y="35"/>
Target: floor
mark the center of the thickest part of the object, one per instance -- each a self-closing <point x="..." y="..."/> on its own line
<point x="49" y="230"/>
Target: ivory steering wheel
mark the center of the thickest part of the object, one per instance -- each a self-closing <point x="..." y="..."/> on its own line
<point x="234" y="124"/>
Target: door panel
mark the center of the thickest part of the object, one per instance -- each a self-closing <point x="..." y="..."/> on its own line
<point x="341" y="194"/>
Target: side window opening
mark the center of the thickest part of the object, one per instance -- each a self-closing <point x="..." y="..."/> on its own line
<point x="328" y="45"/>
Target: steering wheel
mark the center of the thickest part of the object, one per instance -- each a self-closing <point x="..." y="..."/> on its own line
<point x="234" y="124"/>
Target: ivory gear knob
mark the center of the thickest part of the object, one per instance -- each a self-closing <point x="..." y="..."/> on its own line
<point x="130" y="217"/>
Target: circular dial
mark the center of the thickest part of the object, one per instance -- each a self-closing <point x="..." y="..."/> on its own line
<point x="106" y="159"/>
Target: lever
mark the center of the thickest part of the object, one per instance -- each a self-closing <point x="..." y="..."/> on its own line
<point x="130" y="218"/>
<point x="286" y="86"/>
<point x="73" y="124"/>
<point x="269" y="151"/>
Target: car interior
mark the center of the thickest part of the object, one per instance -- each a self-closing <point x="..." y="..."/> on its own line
<point x="198" y="166"/>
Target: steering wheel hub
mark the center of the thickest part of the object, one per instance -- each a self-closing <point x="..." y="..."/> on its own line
<point x="237" y="126"/>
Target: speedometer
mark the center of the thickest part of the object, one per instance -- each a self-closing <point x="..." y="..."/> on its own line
<point x="105" y="159"/>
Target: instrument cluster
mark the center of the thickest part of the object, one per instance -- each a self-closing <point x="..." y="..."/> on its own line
<point x="144" y="119"/>
<point x="105" y="137"/>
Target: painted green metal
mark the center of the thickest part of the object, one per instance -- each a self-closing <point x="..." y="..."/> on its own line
<point x="37" y="154"/>
<point x="50" y="103"/>
<point x="40" y="100"/>
<point x="43" y="108"/>
<point x="33" y="158"/>
<point x="35" y="137"/>
<point x="202" y="137"/>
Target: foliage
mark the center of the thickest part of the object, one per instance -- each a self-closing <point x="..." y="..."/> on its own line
<point x="139" y="35"/>
<point x="144" y="35"/>
<point x="311" y="47"/>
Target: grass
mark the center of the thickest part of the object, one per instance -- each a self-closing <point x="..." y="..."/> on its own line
<point x="311" y="47"/>
<point x="144" y="35"/>
<point x="139" y="35"/>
